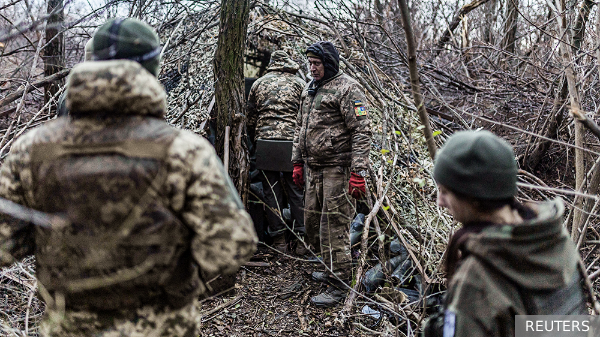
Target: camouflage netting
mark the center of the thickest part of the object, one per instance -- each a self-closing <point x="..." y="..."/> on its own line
<point x="400" y="163"/>
<point x="187" y="68"/>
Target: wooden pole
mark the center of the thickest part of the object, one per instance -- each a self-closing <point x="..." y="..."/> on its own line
<point x="578" y="115"/>
<point x="226" y="150"/>
<point x="414" y="79"/>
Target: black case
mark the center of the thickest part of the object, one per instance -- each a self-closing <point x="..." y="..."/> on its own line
<point x="274" y="155"/>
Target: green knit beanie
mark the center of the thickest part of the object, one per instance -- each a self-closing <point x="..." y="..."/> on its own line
<point x="129" y="39"/>
<point x="477" y="164"/>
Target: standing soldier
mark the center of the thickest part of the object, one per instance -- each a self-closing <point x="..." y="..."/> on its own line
<point x="150" y="208"/>
<point x="508" y="259"/>
<point x="331" y="152"/>
<point x="272" y="109"/>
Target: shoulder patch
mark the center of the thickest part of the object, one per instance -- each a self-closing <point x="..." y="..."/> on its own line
<point x="360" y="110"/>
<point x="449" y="323"/>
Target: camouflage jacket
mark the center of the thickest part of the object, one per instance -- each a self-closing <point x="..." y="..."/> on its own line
<point x="525" y="269"/>
<point x="332" y="127"/>
<point x="98" y="168"/>
<point x="274" y="99"/>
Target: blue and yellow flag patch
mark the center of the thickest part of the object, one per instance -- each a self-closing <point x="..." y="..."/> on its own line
<point x="359" y="109"/>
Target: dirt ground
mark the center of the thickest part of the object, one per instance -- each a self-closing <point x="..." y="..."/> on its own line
<point x="272" y="300"/>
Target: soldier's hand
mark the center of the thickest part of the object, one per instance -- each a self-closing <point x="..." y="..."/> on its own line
<point x="298" y="175"/>
<point x="356" y="186"/>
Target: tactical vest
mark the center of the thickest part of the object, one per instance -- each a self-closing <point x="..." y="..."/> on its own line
<point x="123" y="248"/>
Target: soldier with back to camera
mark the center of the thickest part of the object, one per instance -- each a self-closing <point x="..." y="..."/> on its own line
<point x="272" y="109"/>
<point x="150" y="208"/>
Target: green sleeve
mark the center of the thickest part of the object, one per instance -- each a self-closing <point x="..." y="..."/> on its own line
<point x="223" y="233"/>
<point x="296" y="151"/>
<point x="480" y="303"/>
<point x="356" y="116"/>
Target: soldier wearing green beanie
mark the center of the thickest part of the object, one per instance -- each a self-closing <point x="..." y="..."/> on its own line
<point x="150" y="212"/>
<point x="128" y="39"/>
<point x="479" y="165"/>
<point x="508" y="258"/>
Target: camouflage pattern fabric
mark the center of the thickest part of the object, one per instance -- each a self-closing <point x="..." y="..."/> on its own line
<point x="274" y="99"/>
<point x="143" y="322"/>
<point x="329" y="209"/>
<point x="115" y="102"/>
<point x="332" y="127"/>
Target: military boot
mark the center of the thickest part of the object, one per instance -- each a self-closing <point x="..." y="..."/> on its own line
<point x="325" y="277"/>
<point x="329" y="298"/>
<point x="279" y="244"/>
<point x="320" y="276"/>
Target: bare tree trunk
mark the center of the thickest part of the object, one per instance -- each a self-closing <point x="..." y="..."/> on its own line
<point x="567" y="58"/>
<point x="414" y="79"/>
<point x="464" y="10"/>
<point x="54" y="53"/>
<point x="229" y="89"/>
<point x="579" y="177"/>
<point x="557" y="115"/>
<point x="550" y="129"/>
<point x="465" y="40"/>
<point x="582" y="18"/>
<point x="490" y="20"/>
<point x="510" y="26"/>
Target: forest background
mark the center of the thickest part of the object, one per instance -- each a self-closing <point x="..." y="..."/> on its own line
<point x="524" y="69"/>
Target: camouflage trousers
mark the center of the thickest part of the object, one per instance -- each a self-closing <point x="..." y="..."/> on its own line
<point x="145" y="321"/>
<point x="328" y="213"/>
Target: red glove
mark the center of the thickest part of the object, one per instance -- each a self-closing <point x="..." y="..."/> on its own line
<point x="356" y="186"/>
<point x="298" y="175"/>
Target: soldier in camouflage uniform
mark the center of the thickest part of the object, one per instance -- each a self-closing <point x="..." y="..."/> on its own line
<point x="151" y="211"/>
<point x="508" y="258"/>
<point x="331" y="148"/>
<point x="272" y="109"/>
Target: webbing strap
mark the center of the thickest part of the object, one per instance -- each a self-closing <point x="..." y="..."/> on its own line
<point x="130" y="148"/>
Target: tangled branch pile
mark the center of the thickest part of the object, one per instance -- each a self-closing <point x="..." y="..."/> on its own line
<point x="492" y="64"/>
<point x="20" y="308"/>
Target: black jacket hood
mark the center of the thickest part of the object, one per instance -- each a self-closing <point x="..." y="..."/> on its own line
<point x="327" y="52"/>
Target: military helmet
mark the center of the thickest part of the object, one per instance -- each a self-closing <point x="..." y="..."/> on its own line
<point x="477" y="164"/>
<point x="129" y="39"/>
